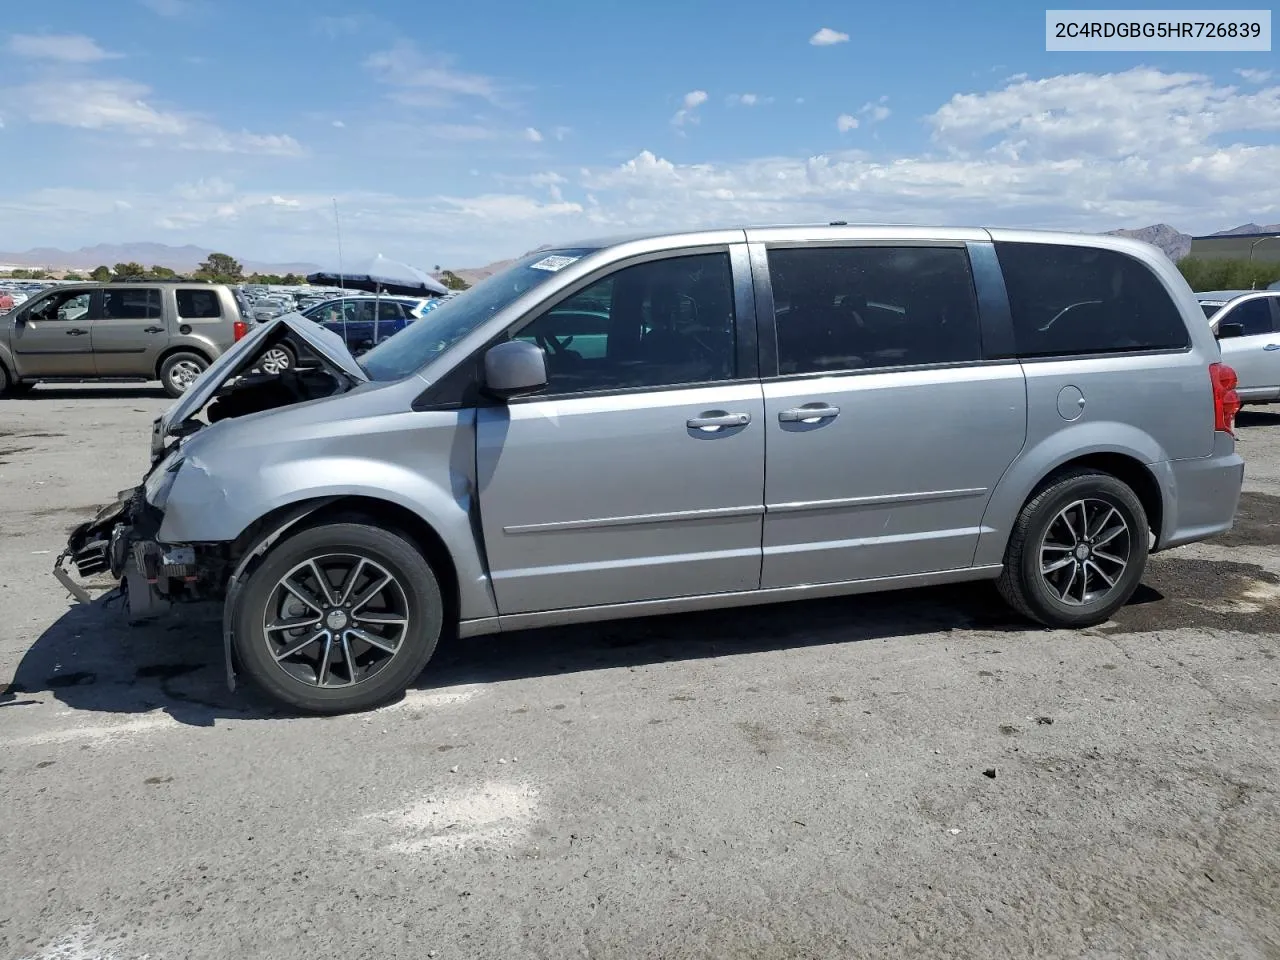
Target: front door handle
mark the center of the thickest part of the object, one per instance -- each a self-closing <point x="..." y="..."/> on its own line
<point x="809" y="413"/>
<point x="1272" y="346"/>
<point x="153" y="329"/>
<point x="716" y="420"/>
<point x="76" y="332"/>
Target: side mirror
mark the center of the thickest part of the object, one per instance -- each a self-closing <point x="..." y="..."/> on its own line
<point x="1228" y="330"/>
<point x="514" y="369"/>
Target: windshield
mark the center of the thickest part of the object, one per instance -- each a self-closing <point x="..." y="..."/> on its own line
<point x="423" y="341"/>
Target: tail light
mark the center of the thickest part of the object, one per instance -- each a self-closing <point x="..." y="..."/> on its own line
<point x="1226" y="402"/>
<point x="241" y="328"/>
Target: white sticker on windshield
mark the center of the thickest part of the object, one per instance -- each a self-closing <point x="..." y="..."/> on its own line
<point x="553" y="263"/>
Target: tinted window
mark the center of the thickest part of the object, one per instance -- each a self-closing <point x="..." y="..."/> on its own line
<point x="1069" y="300"/>
<point x="661" y="323"/>
<point x="852" y="308"/>
<point x="1254" y="315"/>
<point x="391" y="310"/>
<point x="131" y="304"/>
<point x="1210" y="309"/>
<point x="198" y="304"/>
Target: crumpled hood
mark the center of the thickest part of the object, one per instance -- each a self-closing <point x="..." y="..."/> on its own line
<point x="239" y="359"/>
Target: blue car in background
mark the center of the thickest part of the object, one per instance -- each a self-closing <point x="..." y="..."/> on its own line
<point x="364" y="322"/>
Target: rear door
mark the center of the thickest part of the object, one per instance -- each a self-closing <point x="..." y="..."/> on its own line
<point x="51" y="335"/>
<point x="1255" y="355"/>
<point x="129" y="331"/>
<point x="639" y="473"/>
<point x="886" y="430"/>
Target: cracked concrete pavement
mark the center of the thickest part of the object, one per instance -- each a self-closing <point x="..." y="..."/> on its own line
<point x="902" y="775"/>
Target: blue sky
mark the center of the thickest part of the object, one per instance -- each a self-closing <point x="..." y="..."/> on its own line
<point x="461" y="134"/>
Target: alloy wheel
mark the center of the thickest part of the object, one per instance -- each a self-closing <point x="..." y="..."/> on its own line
<point x="1085" y="551"/>
<point x="336" y="620"/>
<point x="183" y="374"/>
<point x="274" y="361"/>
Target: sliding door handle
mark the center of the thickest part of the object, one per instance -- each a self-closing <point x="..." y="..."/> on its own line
<point x="809" y="413"/>
<point x="716" y="420"/>
<point x="76" y="332"/>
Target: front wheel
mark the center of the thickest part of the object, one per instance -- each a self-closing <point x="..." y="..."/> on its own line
<point x="340" y="617"/>
<point x="1077" y="551"/>
<point x="180" y="370"/>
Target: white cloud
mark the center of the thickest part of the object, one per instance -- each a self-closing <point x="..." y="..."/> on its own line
<point x="877" y="111"/>
<point x="1078" y="152"/>
<point x="827" y="37"/>
<point x="1138" y="113"/>
<point x="744" y="99"/>
<point x="688" y="112"/>
<point x="121" y="105"/>
<point x="532" y="135"/>
<point x="1255" y="76"/>
<point x="419" y="81"/>
<point x="339" y="124"/>
<point x="168" y="8"/>
<point x="846" y="122"/>
<point x="64" y="48"/>
<point x="560" y="133"/>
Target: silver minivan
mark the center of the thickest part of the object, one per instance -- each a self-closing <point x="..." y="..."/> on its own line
<point x="681" y="422"/>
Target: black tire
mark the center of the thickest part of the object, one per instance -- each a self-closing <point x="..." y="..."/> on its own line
<point x="1038" y="595"/>
<point x="294" y="682"/>
<point x="179" y="371"/>
<point x="6" y="384"/>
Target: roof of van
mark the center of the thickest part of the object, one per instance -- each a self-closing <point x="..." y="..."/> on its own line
<point x="836" y="227"/>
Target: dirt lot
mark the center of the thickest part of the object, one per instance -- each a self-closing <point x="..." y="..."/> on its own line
<point x="897" y="776"/>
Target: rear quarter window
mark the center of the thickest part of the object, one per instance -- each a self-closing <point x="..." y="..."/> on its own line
<point x="1075" y="300"/>
<point x="198" y="304"/>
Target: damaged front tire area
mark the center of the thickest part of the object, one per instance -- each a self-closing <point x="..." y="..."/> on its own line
<point x="339" y="617"/>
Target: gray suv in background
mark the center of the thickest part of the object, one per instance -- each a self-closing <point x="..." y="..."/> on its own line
<point x="682" y="422"/>
<point x="169" y="332"/>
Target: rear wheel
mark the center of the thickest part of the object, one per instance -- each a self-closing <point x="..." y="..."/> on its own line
<point x="341" y="617"/>
<point x="1077" y="551"/>
<point x="180" y="370"/>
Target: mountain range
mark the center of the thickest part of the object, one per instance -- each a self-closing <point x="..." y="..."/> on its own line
<point x="183" y="259"/>
<point x="1172" y="241"/>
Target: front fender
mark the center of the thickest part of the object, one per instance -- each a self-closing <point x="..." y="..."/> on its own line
<point x="423" y="463"/>
<point x="1037" y="462"/>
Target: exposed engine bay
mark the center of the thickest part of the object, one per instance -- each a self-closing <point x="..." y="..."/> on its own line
<point x="121" y="541"/>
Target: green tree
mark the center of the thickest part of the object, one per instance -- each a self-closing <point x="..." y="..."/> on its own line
<point x="161" y="273"/>
<point x="73" y="276"/>
<point x="1220" y="274"/>
<point x="129" y="269"/>
<point x="221" y="268"/>
<point x="100" y="274"/>
<point x="20" y="274"/>
<point x="453" y="281"/>
<point x="292" y="280"/>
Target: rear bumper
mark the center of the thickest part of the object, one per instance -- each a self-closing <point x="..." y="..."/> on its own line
<point x="1200" y="495"/>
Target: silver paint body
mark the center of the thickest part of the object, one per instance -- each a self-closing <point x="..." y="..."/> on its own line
<point x="1256" y="357"/>
<point x="579" y="508"/>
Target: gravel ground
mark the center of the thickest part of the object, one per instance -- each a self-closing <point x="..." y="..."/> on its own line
<point x="897" y="776"/>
